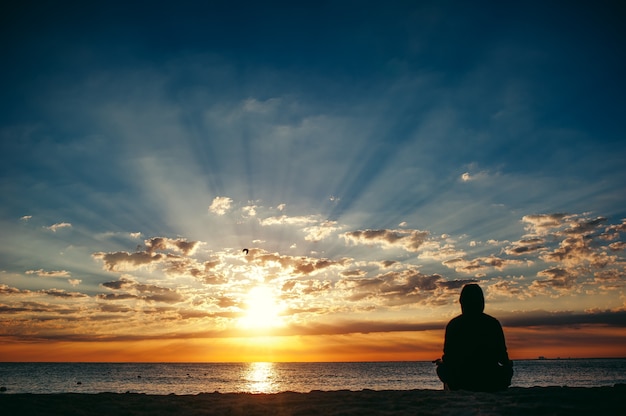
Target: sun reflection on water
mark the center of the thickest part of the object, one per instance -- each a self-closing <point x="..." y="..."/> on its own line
<point x="260" y="377"/>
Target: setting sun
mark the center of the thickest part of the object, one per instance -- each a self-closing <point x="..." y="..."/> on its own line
<point x="263" y="310"/>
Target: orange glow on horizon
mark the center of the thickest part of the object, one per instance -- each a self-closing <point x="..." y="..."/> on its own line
<point x="523" y="343"/>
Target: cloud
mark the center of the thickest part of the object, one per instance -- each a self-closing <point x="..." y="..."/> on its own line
<point x="253" y="105"/>
<point x="395" y="288"/>
<point x="617" y="246"/>
<point x="294" y="265"/>
<point x="303" y="288"/>
<point x="353" y="273"/>
<point x="580" y="244"/>
<point x="8" y="290"/>
<point x="558" y="278"/>
<point x="249" y="210"/>
<point x="456" y="284"/>
<point x="611" y="279"/>
<point x="473" y="173"/>
<point x="563" y="318"/>
<point x="562" y="224"/>
<point x="409" y="240"/>
<point x="135" y="290"/>
<point x="525" y="246"/>
<point x="434" y="251"/>
<point x="62" y="293"/>
<point x="319" y="232"/>
<point x="180" y="288"/>
<point x="57" y="226"/>
<point x="619" y="228"/>
<point x="574" y="247"/>
<point x="577" y="250"/>
<point x="314" y="228"/>
<point x="126" y="261"/>
<point x="220" y="205"/>
<point x="42" y="273"/>
<point x="468" y="177"/>
<point x="480" y="264"/>
<point x="163" y="244"/>
<point x="507" y="288"/>
<point x="287" y="220"/>
<point x="541" y="224"/>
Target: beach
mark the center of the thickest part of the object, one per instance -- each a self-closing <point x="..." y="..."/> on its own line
<point x="515" y="401"/>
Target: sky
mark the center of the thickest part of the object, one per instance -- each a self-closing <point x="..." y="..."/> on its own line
<point x="309" y="181"/>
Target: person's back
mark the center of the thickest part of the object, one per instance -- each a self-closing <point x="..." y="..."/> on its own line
<point x="474" y="353"/>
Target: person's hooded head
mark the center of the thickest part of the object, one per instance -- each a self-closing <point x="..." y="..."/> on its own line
<point x="472" y="299"/>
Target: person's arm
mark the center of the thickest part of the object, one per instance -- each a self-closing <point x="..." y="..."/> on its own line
<point x="502" y="354"/>
<point x="450" y="344"/>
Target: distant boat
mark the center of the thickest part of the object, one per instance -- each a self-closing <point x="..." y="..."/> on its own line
<point x="541" y="357"/>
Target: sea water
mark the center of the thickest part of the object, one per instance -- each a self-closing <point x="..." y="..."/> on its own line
<point x="194" y="378"/>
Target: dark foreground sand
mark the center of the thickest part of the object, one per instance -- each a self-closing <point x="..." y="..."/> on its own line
<point x="515" y="401"/>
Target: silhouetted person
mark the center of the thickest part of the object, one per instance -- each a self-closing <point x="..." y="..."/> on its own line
<point x="474" y="350"/>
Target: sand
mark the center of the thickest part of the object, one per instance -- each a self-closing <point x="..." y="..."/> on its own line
<point x="515" y="401"/>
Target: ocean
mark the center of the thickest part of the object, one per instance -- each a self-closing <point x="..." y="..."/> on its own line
<point x="194" y="378"/>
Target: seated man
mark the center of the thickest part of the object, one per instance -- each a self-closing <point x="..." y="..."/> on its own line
<point x="474" y="350"/>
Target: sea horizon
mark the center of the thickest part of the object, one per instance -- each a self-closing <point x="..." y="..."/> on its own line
<point x="276" y="377"/>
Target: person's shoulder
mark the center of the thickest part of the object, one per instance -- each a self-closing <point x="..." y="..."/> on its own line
<point x="490" y="318"/>
<point x="456" y="320"/>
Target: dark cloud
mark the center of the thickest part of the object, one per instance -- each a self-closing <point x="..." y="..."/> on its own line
<point x="136" y="290"/>
<point x="62" y="293"/>
<point x="117" y="296"/>
<point x="525" y="246"/>
<point x="563" y="319"/>
<point x="118" y="284"/>
<point x="558" y="278"/>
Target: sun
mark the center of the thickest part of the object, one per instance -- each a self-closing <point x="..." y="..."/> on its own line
<point x="262" y="309"/>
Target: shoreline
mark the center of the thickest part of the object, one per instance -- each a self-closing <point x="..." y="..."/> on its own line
<point x="514" y="401"/>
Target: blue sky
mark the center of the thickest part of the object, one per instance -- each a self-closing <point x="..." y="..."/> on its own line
<point x="372" y="156"/>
